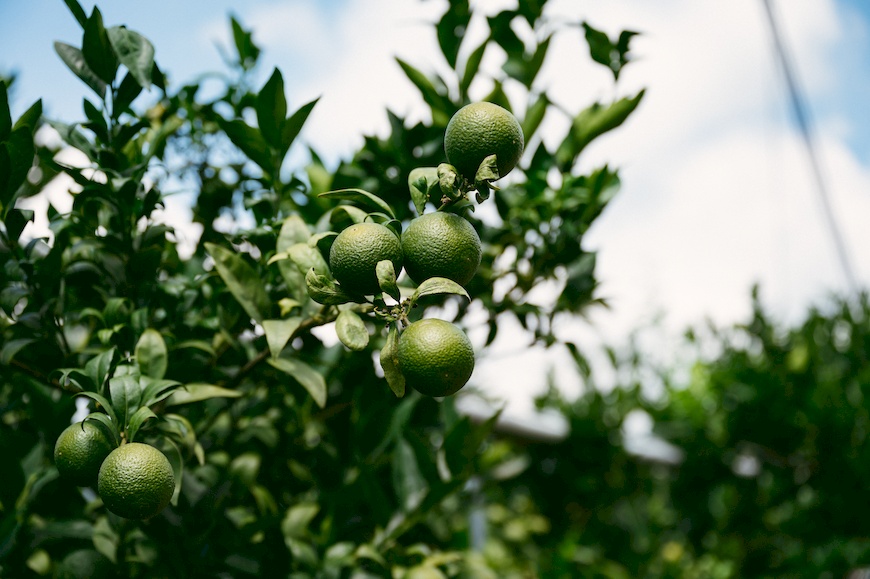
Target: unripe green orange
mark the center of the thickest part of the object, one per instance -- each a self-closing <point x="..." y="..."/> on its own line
<point x="479" y="130"/>
<point x="356" y="252"/>
<point x="441" y="245"/>
<point x="79" y="451"/>
<point x="435" y="357"/>
<point x="136" y="481"/>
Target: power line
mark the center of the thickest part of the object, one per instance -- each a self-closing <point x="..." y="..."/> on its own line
<point x="803" y="121"/>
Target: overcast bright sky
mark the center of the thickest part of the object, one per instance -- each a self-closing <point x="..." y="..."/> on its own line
<point x="717" y="192"/>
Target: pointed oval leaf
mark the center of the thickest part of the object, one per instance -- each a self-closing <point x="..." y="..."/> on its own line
<point x="279" y="332"/>
<point x="408" y="483"/>
<point x="137" y="420"/>
<point x="104" y="404"/>
<point x="323" y="290"/>
<point x="199" y="392"/>
<point x="390" y="363"/>
<point x="294" y="124"/>
<point x="126" y="394"/>
<point x="438" y="285"/>
<point x="153" y="390"/>
<point x="106" y="425"/>
<point x="134" y="51"/>
<point x="271" y="107"/>
<point x="306" y="257"/>
<point x="420" y="182"/>
<point x="151" y="354"/>
<point x="351" y="330"/>
<point x="242" y="281"/>
<point x="75" y="60"/>
<point x="97" y="49"/>
<point x="387" y="279"/>
<point x="360" y="197"/>
<point x="305" y="375"/>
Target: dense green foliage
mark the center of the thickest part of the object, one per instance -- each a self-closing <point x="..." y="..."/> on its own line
<point x="289" y="457"/>
<point x="294" y="458"/>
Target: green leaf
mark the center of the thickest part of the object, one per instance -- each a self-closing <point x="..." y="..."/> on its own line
<point x="106" y="425"/>
<point x="279" y="332"/>
<point x="351" y="330"/>
<point x="5" y="115"/>
<point x="305" y="375"/>
<point x="126" y="94"/>
<point x="441" y="106"/>
<point x="438" y="285"/>
<point x="137" y="420"/>
<point x="323" y="290"/>
<point x="472" y="65"/>
<point x="323" y="241"/>
<point x="298" y="518"/>
<point x="387" y="279"/>
<point x="126" y="396"/>
<point x="173" y="453"/>
<point x="154" y="390"/>
<point x="306" y="258"/>
<point x="605" y="52"/>
<point x="135" y="52"/>
<point x="196" y="392"/>
<point x="101" y="366"/>
<point x="462" y="443"/>
<point x="390" y="363"/>
<point x="525" y="68"/>
<point x="294" y="124"/>
<point x="293" y="230"/>
<point x="151" y="354"/>
<point x="16" y="221"/>
<point x="591" y="123"/>
<point x="248" y="51"/>
<point x="451" y="29"/>
<point x="271" y="107"/>
<point x="104" y="404"/>
<point x="18" y="151"/>
<point x="250" y="141"/>
<point x="30" y="118"/>
<point x="408" y="482"/>
<point x="77" y="12"/>
<point x="421" y="181"/>
<point x="97" y="49"/>
<point x="75" y="60"/>
<point x="72" y="379"/>
<point x="363" y="198"/>
<point x="242" y="280"/>
<point x="105" y="539"/>
<point x="534" y="115"/>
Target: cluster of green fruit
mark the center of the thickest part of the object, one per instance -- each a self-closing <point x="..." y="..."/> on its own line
<point x="483" y="142"/>
<point x="134" y="480"/>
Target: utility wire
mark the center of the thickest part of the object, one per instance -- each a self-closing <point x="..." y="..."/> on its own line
<point x="803" y="122"/>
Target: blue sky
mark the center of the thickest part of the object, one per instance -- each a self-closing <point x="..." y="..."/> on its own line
<point x="716" y="192"/>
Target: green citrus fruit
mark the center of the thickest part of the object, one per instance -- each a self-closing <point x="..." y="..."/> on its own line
<point x="79" y="452"/>
<point x="479" y="130"/>
<point x="441" y="245"/>
<point x="356" y="252"/>
<point x="435" y="357"/>
<point x="136" y="481"/>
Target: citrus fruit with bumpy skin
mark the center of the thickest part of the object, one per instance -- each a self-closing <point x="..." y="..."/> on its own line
<point x="356" y="252"/>
<point x="479" y="130"/>
<point x="441" y="245"/>
<point x="79" y="451"/>
<point x="435" y="357"/>
<point x="136" y="481"/>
